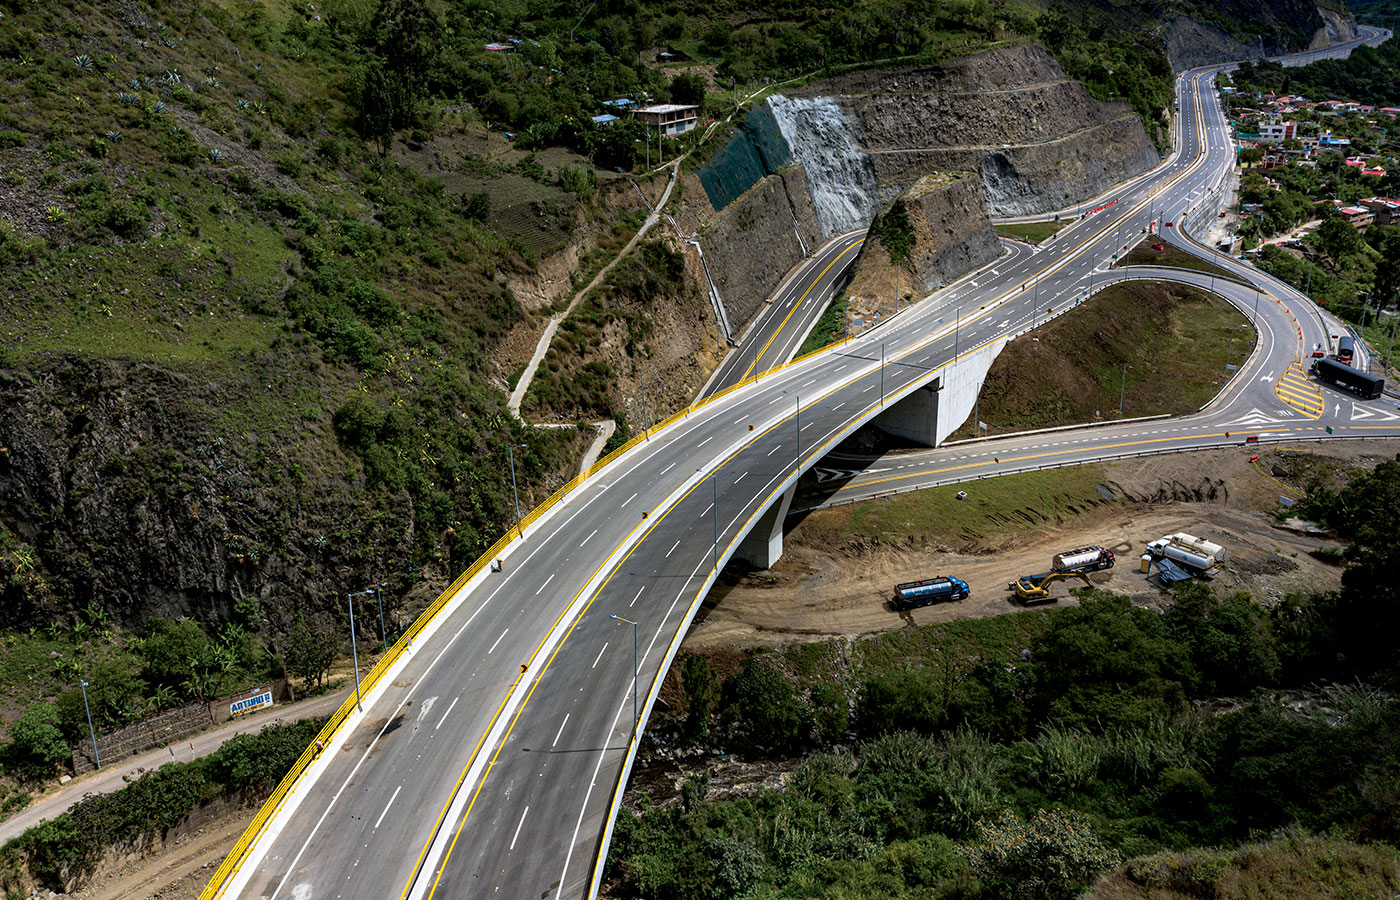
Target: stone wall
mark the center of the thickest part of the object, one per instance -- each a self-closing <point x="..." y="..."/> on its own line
<point x="154" y="731"/>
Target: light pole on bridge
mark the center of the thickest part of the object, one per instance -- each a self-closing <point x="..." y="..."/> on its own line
<point x="798" y="420"/>
<point x="634" y="671"/>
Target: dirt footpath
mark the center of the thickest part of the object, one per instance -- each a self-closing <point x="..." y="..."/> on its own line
<point x="825" y="587"/>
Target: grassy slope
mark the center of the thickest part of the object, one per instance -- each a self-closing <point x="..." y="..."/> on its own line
<point x="1176" y="339"/>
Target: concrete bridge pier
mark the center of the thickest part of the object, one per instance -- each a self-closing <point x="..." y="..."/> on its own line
<point x="763" y="545"/>
<point x="928" y="414"/>
<point x="915" y="418"/>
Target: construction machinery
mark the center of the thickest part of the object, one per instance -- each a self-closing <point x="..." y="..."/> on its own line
<point x="1030" y="588"/>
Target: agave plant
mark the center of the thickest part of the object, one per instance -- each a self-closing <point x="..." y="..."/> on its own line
<point x="134" y="84"/>
<point x="242" y="104"/>
<point x="216" y="155"/>
<point x="84" y="62"/>
<point x="169" y="42"/>
<point x="125" y="97"/>
<point x="211" y="81"/>
<point x="172" y="77"/>
<point x="114" y="136"/>
<point x="145" y="81"/>
<point x="258" y="108"/>
<point x="159" y="107"/>
<point x="176" y="130"/>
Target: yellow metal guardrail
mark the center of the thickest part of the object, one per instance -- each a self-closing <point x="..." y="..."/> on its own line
<point x="239" y="853"/>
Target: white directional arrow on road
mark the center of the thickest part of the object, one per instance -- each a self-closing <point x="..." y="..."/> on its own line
<point x="1366" y="412"/>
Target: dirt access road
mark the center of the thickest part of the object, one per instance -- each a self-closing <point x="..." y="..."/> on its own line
<point x="831" y="583"/>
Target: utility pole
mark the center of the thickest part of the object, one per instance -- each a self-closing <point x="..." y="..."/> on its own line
<point x="882" y="373"/>
<point x="646" y="429"/>
<point x="635" y="716"/>
<point x="798" y="420"/>
<point x="510" y="448"/>
<point x="354" y="649"/>
<point x="92" y="733"/>
<point x="715" y="484"/>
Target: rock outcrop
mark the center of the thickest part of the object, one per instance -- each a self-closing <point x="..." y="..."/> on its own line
<point x="1039" y="139"/>
<point x="947" y="214"/>
<point x="752" y="243"/>
<point x="1279" y="26"/>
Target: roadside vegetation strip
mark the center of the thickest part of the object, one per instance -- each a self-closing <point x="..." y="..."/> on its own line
<point x="1174" y="337"/>
<point x="1034" y="232"/>
<point x="1144" y="254"/>
<point x="64" y="850"/>
<point x="995" y="508"/>
<point x="828" y="329"/>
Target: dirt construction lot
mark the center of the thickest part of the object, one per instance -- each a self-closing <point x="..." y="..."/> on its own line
<point x="832" y="582"/>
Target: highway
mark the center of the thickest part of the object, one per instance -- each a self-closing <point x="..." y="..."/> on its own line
<point x="1264" y="402"/>
<point x="793" y="309"/>
<point x="490" y="761"/>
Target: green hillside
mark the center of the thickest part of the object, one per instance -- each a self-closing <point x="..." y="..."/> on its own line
<point x="254" y="258"/>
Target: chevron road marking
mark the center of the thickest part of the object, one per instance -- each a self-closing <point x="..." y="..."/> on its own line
<point x="1297" y="391"/>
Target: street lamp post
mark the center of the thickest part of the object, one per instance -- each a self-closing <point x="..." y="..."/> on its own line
<point x="379" y="598"/>
<point x="92" y="732"/>
<point x="715" y="485"/>
<point x="1122" y="389"/>
<point x="634" y="671"/>
<point x="510" y="448"/>
<point x="957" y="326"/>
<point x="798" y="421"/>
<point x="882" y="373"/>
<point x="354" y="649"/>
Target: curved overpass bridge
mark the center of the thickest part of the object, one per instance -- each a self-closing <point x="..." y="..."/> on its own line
<point x="489" y="752"/>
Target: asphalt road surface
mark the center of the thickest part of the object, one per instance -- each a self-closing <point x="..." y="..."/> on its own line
<point x="490" y="764"/>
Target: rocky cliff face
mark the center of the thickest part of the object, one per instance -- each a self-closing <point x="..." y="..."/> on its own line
<point x="117" y="487"/>
<point x="952" y="236"/>
<point x="753" y="242"/>
<point x="1005" y="113"/>
<point x="1335" y="29"/>
<point x="1278" y="26"/>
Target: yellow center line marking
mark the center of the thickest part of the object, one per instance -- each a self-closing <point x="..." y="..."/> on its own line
<point x="985" y="310"/>
<point x="796" y="306"/>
